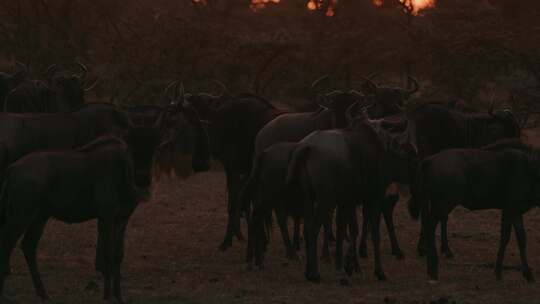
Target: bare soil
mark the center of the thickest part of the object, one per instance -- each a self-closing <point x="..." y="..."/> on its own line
<point x="172" y="256"/>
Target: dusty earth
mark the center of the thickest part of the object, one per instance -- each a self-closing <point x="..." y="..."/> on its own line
<point x="172" y="256"/>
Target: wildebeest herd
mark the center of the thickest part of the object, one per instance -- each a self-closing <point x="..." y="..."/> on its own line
<point x="64" y="158"/>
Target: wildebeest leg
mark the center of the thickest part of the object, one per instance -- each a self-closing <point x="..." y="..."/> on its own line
<point x="11" y="232"/>
<point x="375" y="220"/>
<point x="362" y="249"/>
<point x="233" y="186"/>
<point x="120" y="231"/>
<point x="29" y="246"/>
<point x="296" y="237"/>
<point x="388" y="213"/>
<point x="445" y="247"/>
<point x="351" y="260"/>
<point x="328" y="227"/>
<point x="522" y="243"/>
<point x="325" y="256"/>
<point x="340" y="236"/>
<point x="421" y="246"/>
<point x="106" y="233"/>
<point x="311" y="233"/>
<point x="282" y="222"/>
<point x="506" y="229"/>
<point x="429" y="222"/>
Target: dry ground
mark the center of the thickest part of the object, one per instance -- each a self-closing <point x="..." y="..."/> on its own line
<point x="172" y="257"/>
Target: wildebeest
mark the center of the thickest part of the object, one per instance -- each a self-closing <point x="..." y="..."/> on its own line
<point x="21" y="134"/>
<point x="103" y="180"/>
<point x="344" y="168"/>
<point x="434" y="128"/>
<point x="233" y="124"/>
<point x="504" y="175"/>
<point x="9" y="82"/>
<point x="61" y="92"/>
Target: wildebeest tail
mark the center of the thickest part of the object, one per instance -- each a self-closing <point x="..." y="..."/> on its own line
<point x="297" y="158"/>
<point x="4" y="202"/>
<point x="420" y="199"/>
<point x="247" y="192"/>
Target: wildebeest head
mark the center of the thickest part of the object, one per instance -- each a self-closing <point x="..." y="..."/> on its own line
<point x="9" y="82"/>
<point x="143" y="141"/>
<point x="68" y="88"/>
<point x="186" y="145"/>
<point x="339" y="101"/>
<point x="203" y="103"/>
<point x="387" y="100"/>
<point x="504" y="125"/>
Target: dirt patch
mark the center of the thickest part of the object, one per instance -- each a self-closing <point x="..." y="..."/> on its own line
<point x="172" y="257"/>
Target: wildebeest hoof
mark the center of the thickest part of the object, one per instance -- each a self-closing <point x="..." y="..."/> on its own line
<point x="314" y="278"/>
<point x="362" y="252"/>
<point x="293" y="256"/>
<point x="344" y="282"/>
<point x="326" y="259"/>
<point x="398" y="254"/>
<point x="528" y="276"/>
<point x="224" y="246"/>
<point x="380" y="276"/>
<point x="447" y="253"/>
<point x="498" y="275"/>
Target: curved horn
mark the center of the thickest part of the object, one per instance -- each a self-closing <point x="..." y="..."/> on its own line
<point x="370" y="82"/>
<point x="51" y="70"/>
<point x="350" y="110"/>
<point x="416" y="85"/>
<point x="166" y="92"/>
<point x="160" y="119"/>
<point x="84" y="71"/>
<point x="373" y="75"/>
<point x="22" y="67"/>
<point x="356" y="94"/>
<point x="180" y="92"/>
<point x="92" y="86"/>
<point x="317" y="81"/>
<point x="224" y="89"/>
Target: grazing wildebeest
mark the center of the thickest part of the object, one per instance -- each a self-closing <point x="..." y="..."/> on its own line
<point x="504" y="175"/>
<point x="103" y="180"/>
<point x="21" y="134"/>
<point x="344" y="167"/>
<point x="435" y="128"/>
<point x="9" y="82"/>
<point x="61" y="92"/>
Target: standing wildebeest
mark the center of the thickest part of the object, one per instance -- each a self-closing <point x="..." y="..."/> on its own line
<point x="343" y="168"/>
<point x="435" y="128"/>
<point x="233" y="124"/>
<point x="102" y="180"/>
<point x="292" y="127"/>
<point x="9" y="82"/>
<point x="504" y="175"/>
<point x="21" y="134"/>
<point x="61" y="92"/>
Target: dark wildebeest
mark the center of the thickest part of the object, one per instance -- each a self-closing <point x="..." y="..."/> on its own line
<point x="435" y="128"/>
<point x="504" y="175"/>
<point x="102" y="180"/>
<point x="233" y="124"/>
<point x="21" y="134"/>
<point x="61" y="92"/>
<point x="343" y="168"/>
<point x="9" y="82"/>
